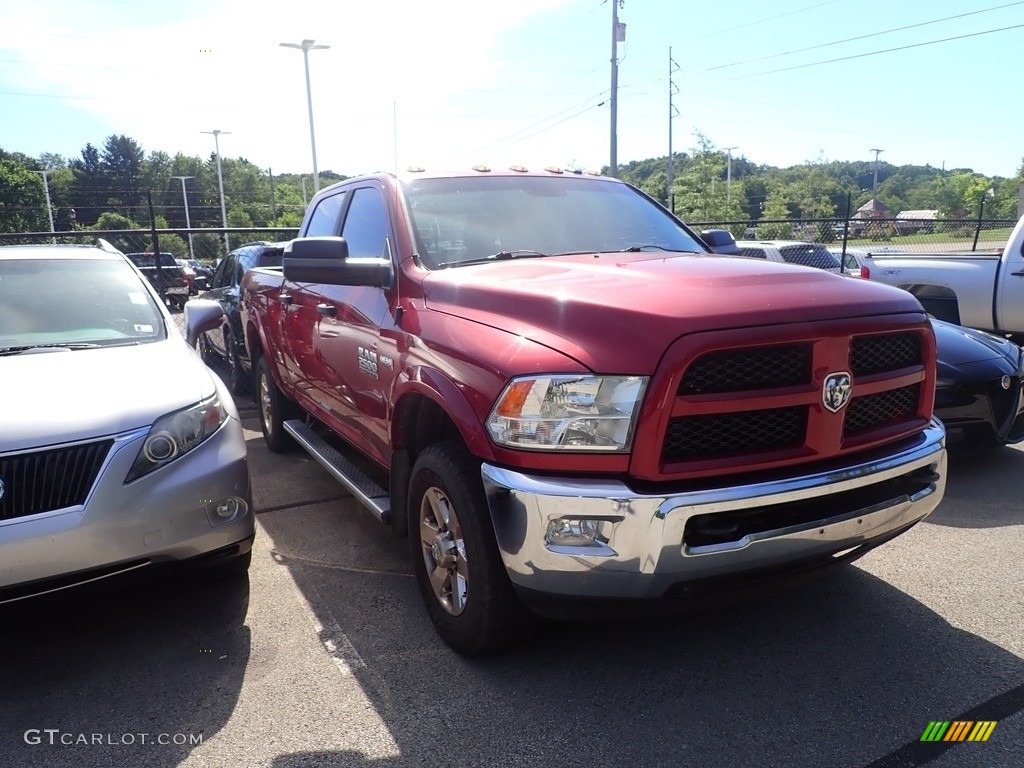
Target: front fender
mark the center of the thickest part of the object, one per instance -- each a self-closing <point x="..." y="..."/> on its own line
<point x="448" y="396"/>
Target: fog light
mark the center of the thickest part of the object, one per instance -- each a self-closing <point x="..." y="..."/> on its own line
<point x="1006" y="382"/>
<point x="571" y="532"/>
<point x="225" y="510"/>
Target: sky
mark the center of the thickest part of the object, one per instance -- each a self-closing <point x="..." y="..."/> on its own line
<point x="465" y="82"/>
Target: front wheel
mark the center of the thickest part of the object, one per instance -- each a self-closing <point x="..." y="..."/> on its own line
<point x="463" y="582"/>
<point x="275" y="409"/>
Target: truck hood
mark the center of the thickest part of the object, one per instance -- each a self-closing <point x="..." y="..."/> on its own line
<point x="59" y="395"/>
<point x="618" y="313"/>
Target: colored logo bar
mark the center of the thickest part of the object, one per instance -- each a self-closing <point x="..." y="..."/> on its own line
<point x="959" y="730"/>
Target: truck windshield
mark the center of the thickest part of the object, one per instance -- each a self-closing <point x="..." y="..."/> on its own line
<point x="468" y="219"/>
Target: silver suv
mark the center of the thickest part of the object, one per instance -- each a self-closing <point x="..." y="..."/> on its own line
<point x="793" y="252"/>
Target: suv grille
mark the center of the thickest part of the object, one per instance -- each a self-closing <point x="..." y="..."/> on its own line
<point x="47" y="480"/>
<point x="886" y="352"/>
<point x="694" y="437"/>
<point x="736" y="370"/>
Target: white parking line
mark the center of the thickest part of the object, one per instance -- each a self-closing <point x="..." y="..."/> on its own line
<point x="344" y="655"/>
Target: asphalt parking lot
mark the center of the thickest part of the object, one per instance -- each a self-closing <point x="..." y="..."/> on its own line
<point x="325" y="657"/>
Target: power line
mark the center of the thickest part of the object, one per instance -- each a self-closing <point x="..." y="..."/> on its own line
<point x="505" y="139"/>
<point x="876" y="53"/>
<point x="861" y="37"/>
<point x="761" y="21"/>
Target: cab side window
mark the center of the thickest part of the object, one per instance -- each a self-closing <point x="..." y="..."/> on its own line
<point x="222" y="277"/>
<point x="324" y="220"/>
<point x="366" y="227"/>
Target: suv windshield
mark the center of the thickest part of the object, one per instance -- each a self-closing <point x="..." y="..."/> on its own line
<point x="75" y="301"/>
<point x="465" y="219"/>
<point x="143" y="260"/>
<point x="809" y="255"/>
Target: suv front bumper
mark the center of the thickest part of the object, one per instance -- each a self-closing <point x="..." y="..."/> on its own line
<point x="649" y="543"/>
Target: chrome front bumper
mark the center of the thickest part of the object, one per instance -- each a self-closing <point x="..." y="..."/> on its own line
<point x="642" y="553"/>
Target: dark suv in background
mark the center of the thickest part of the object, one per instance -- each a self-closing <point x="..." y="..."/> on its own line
<point x="226" y="346"/>
<point x="175" y="283"/>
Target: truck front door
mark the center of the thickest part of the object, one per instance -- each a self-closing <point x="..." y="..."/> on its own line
<point x="1010" y="290"/>
<point x="355" y="368"/>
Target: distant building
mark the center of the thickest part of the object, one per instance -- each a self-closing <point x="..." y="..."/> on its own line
<point x="873" y="209"/>
<point x="912" y="222"/>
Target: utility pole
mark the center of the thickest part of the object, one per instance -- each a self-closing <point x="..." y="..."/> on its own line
<point x="728" y="175"/>
<point x="672" y="112"/>
<point x="874" y="185"/>
<point x="188" y="221"/>
<point x="220" y="179"/>
<point x="273" y="205"/>
<point x="618" y="35"/>
<point x="304" y="203"/>
<point x="49" y="205"/>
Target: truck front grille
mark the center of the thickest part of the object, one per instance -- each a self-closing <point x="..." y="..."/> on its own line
<point x="745" y="408"/>
<point x="873" y="411"/>
<point x="708" y="436"/>
<point x="885" y="352"/>
<point x="53" y="479"/>
<point x="738" y="370"/>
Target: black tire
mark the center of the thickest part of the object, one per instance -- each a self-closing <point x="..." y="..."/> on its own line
<point x="480" y="611"/>
<point x="237" y="382"/>
<point x="274" y="409"/>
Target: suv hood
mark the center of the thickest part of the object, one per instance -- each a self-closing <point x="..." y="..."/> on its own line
<point x="619" y="312"/>
<point x="59" y="396"/>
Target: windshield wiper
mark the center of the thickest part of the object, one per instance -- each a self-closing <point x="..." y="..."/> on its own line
<point x="639" y="248"/>
<point x="57" y="345"/>
<point x="500" y="256"/>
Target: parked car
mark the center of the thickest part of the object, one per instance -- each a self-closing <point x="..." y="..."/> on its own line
<point x="978" y="391"/>
<point x="119" y="450"/>
<point x="199" y="267"/>
<point x="793" y="252"/>
<point x="225" y="346"/>
<point x="175" y="284"/>
<point x="976" y="289"/>
<point x="197" y="281"/>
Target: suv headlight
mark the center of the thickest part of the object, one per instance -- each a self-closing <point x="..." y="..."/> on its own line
<point x="175" y="434"/>
<point x="572" y="413"/>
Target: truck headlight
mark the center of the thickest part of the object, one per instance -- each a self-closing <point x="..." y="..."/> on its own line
<point x="571" y="413"/>
<point x="175" y="434"/>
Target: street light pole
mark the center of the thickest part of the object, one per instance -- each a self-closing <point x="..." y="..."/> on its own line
<point x="220" y="179"/>
<point x="728" y="175"/>
<point x="306" y="46"/>
<point x="188" y="221"/>
<point x="49" y="206"/>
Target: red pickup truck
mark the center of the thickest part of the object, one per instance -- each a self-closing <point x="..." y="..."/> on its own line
<point x="560" y="397"/>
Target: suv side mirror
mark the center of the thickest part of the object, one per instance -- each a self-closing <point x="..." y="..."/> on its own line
<point x="721" y="241"/>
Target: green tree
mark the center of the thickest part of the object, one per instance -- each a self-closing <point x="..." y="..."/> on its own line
<point x="776" y="215"/>
<point x="22" y="199"/>
<point x="122" y="163"/>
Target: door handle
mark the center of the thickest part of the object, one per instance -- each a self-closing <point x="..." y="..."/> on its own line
<point x="285" y="299"/>
<point x="327" y="310"/>
<point x="1018" y="273"/>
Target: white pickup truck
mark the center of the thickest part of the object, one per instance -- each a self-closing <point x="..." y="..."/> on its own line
<point x="974" y="289"/>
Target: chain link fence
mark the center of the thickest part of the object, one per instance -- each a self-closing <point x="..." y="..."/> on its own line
<point x="920" y="235"/>
<point x="203" y="249"/>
